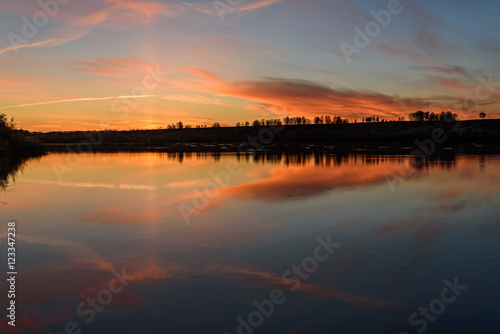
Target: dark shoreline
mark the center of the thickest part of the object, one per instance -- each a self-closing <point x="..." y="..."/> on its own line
<point x="481" y="136"/>
<point x="333" y="134"/>
<point x="401" y="148"/>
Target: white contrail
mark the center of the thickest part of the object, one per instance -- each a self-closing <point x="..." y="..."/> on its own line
<point x="79" y="99"/>
<point x="32" y="45"/>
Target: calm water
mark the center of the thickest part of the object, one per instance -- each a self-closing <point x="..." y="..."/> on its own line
<point x="206" y="264"/>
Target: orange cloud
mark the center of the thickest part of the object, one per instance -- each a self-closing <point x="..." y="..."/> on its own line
<point x="127" y="13"/>
<point x="302" y="97"/>
<point x="207" y="75"/>
<point x="299" y="182"/>
<point x="150" y="9"/>
<point x="308" y="182"/>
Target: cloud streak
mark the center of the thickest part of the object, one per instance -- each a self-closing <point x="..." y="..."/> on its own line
<point x="114" y="66"/>
<point x="68" y="33"/>
<point x="85" y="99"/>
<point x="303" y="97"/>
<point x="215" y="8"/>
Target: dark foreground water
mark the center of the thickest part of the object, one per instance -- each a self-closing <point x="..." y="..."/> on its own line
<point x="158" y="243"/>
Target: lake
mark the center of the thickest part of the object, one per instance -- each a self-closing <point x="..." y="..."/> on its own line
<point x="220" y="243"/>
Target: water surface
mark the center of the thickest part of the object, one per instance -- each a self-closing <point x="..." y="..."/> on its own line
<point x="200" y="259"/>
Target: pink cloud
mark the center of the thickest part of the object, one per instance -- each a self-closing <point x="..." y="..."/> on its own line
<point x="207" y="75"/>
<point x="210" y="8"/>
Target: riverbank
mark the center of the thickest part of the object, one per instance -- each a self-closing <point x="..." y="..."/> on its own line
<point x="229" y="139"/>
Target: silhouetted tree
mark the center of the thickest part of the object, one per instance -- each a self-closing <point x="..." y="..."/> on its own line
<point x="433" y="117"/>
<point x="448" y="116"/>
<point x="417" y="116"/>
<point x="12" y="141"/>
<point x="482" y="115"/>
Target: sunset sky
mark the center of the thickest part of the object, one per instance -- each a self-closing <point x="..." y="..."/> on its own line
<point x="87" y="61"/>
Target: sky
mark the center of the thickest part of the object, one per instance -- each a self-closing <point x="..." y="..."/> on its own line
<point x="95" y="64"/>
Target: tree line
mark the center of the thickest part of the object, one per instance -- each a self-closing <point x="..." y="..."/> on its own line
<point x="318" y="120"/>
<point x="430" y="116"/>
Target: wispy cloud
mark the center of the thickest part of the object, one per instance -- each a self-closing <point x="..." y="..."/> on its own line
<point x="119" y="14"/>
<point x="197" y="99"/>
<point x="150" y="9"/>
<point x="450" y="69"/>
<point x="209" y="8"/>
<point x="113" y="66"/>
<point x="79" y="100"/>
<point x="207" y="75"/>
<point x="48" y="42"/>
<point x="68" y="33"/>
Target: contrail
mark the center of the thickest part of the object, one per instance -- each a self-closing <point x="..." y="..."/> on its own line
<point x="80" y="99"/>
<point x="32" y="45"/>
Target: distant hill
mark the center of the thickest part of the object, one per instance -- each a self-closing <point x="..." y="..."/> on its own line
<point x="459" y="132"/>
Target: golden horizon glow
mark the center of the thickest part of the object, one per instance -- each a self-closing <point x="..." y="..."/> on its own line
<point x="148" y="64"/>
